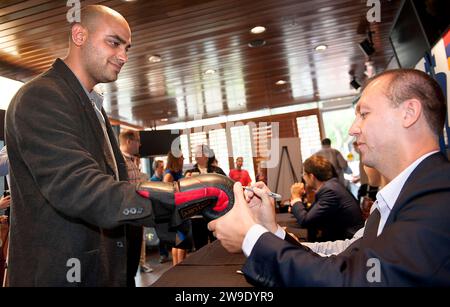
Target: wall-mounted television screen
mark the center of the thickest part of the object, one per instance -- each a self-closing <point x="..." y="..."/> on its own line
<point x="434" y="16"/>
<point x="156" y="142"/>
<point x="407" y="37"/>
<point x="418" y="25"/>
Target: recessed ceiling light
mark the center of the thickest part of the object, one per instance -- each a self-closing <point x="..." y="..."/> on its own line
<point x="321" y="48"/>
<point x="155" y="58"/>
<point x="257" y="43"/>
<point x="280" y="82"/>
<point x="209" y="72"/>
<point x="258" y="30"/>
<point x="164" y="119"/>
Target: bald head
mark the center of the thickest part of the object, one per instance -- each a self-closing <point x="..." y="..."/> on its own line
<point x="93" y="15"/>
<point x="99" y="45"/>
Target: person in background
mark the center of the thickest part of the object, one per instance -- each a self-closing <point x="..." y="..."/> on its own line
<point x="336" y="158"/>
<point x="261" y="174"/>
<point x="162" y="229"/>
<point x="335" y="213"/>
<point x="408" y="232"/>
<point x="174" y="172"/>
<point x="4" y="162"/>
<point x="329" y="248"/>
<point x="5" y="202"/>
<point x="4" y="171"/>
<point x="369" y="178"/>
<point x="239" y="174"/>
<point x="204" y="164"/>
<point x="158" y="170"/>
<point x="129" y="146"/>
<point x="205" y="157"/>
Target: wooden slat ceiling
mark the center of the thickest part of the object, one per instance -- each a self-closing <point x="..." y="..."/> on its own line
<point x="192" y="36"/>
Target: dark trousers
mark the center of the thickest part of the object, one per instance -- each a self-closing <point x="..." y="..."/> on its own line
<point x="134" y="243"/>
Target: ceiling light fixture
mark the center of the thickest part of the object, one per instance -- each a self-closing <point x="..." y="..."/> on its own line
<point x="257" y="43"/>
<point x="258" y="30"/>
<point x="355" y="84"/>
<point x="367" y="45"/>
<point x="209" y="72"/>
<point x="164" y="119"/>
<point x="155" y="58"/>
<point x="280" y="82"/>
<point x="321" y="47"/>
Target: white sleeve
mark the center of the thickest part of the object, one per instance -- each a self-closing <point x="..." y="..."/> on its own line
<point x="253" y="235"/>
<point x="333" y="247"/>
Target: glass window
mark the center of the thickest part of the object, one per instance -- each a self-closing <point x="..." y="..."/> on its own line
<point x="218" y="143"/>
<point x="309" y="133"/>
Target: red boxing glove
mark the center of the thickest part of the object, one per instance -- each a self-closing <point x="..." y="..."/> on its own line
<point x="208" y="194"/>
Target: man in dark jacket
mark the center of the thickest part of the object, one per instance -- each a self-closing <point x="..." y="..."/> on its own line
<point x="67" y="172"/>
<point x="406" y="240"/>
<point x="71" y="199"/>
<point x="335" y="213"/>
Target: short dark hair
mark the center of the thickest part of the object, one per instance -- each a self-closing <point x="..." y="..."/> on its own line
<point x="326" y="141"/>
<point x="156" y="163"/>
<point x="407" y="84"/>
<point x="320" y="167"/>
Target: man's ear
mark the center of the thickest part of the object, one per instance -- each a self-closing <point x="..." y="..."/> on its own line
<point x="78" y="34"/>
<point x="412" y="109"/>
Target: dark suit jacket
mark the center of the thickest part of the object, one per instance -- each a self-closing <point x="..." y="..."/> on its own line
<point x="412" y="250"/>
<point x="68" y="210"/>
<point x="335" y="212"/>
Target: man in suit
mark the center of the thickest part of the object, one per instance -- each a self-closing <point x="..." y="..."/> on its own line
<point x="335" y="213"/>
<point x="406" y="241"/>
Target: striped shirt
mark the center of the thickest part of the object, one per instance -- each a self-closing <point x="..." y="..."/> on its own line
<point x="134" y="175"/>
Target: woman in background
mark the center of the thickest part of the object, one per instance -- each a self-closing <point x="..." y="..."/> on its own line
<point x="174" y="172"/>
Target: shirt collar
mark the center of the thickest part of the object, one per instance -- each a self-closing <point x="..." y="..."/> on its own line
<point x="127" y="155"/>
<point x="388" y="195"/>
<point x="93" y="96"/>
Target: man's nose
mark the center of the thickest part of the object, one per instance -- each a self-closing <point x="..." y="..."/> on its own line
<point x="354" y="128"/>
<point x="122" y="56"/>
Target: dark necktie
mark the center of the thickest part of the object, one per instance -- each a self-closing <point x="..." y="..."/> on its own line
<point x="371" y="229"/>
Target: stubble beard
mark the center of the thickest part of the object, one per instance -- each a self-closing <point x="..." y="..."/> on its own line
<point x="98" y="67"/>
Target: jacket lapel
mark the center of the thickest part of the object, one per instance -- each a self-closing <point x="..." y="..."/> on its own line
<point x="413" y="187"/>
<point x="97" y="130"/>
<point x="121" y="165"/>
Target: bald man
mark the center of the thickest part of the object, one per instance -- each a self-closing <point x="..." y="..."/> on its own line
<point x="71" y="198"/>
